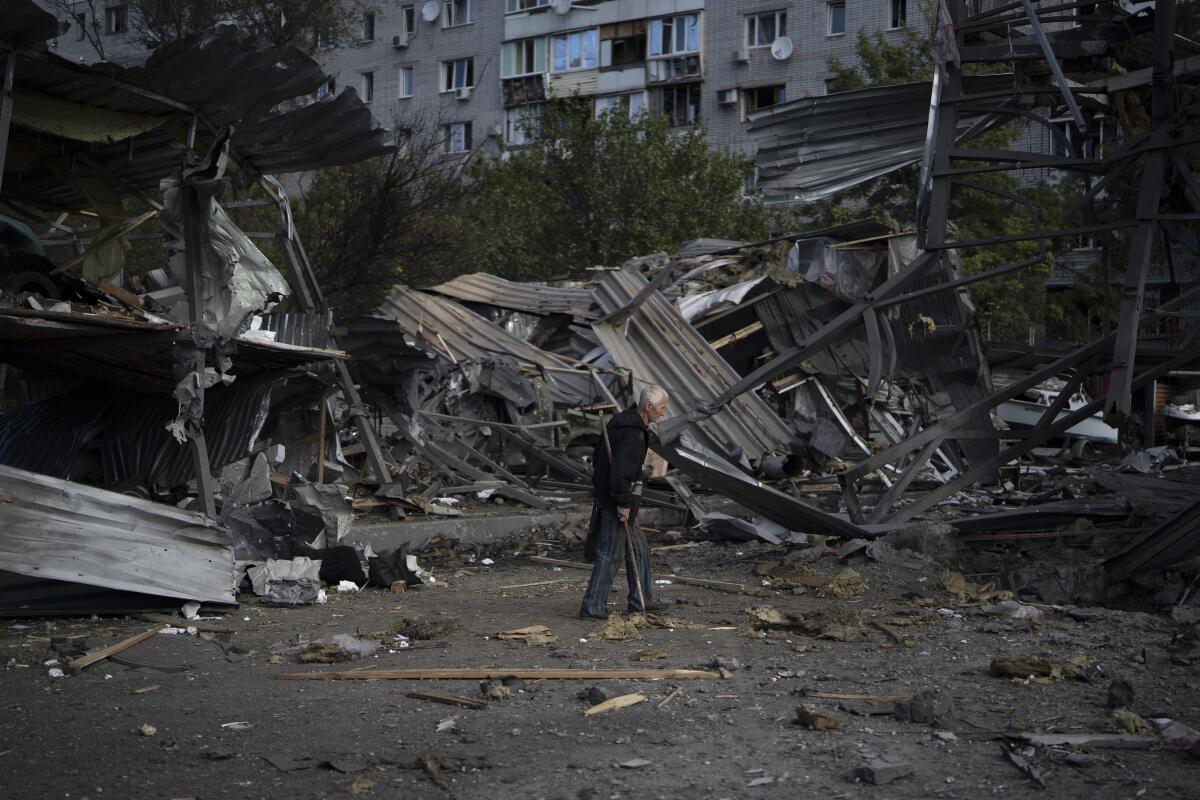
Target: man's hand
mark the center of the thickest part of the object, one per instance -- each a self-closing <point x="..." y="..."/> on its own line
<point x="623" y="514"/>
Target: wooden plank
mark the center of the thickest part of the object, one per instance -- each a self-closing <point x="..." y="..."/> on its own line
<point x="180" y="622"/>
<point x="484" y="673"/>
<point x="530" y="585"/>
<point x="740" y="588"/>
<point x="92" y="656"/>
<point x="675" y="692"/>
<point x="613" y="703"/>
<point x="448" y="699"/>
<point x="873" y="698"/>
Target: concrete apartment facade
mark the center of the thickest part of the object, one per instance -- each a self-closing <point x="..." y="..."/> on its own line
<point x="477" y="68"/>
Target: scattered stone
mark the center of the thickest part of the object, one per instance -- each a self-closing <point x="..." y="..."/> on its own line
<point x="720" y="662"/>
<point x="635" y="763"/>
<point x="814" y="720"/>
<point x="645" y="656"/>
<point x="147" y="729"/>
<point x="337" y="648"/>
<point x="926" y="706"/>
<point x="1126" y="721"/>
<point x="880" y="771"/>
<point x="846" y="583"/>
<point x="1044" y="670"/>
<point x="426" y="629"/>
<point x="966" y="592"/>
<point x="494" y="690"/>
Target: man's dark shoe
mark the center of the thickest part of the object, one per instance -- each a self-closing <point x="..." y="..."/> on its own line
<point x="654" y="606"/>
<point x="585" y="614"/>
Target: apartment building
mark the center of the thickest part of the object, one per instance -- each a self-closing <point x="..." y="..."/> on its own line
<point x="479" y="69"/>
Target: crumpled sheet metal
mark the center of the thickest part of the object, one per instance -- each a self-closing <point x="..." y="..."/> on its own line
<point x="659" y="347"/>
<point x="529" y="298"/>
<point x="1177" y="539"/>
<point x="55" y="529"/>
<point x="459" y="334"/>
<point x="726" y="479"/>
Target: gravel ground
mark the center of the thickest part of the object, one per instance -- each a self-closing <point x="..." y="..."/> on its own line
<point x="81" y="736"/>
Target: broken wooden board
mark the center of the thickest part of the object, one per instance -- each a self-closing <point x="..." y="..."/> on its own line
<point x="99" y="654"/>
<point x="448" y="699"/>
<point x="738" y="588"/>
<point x="472" y="673"/>
<point x="613" y="703"/>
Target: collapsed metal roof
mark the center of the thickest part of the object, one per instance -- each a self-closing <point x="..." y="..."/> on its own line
<point x="658" y="346"/>
<point x="128" y="125"/>
<point x="458" y="334"/>
<point x="531" y="298"/>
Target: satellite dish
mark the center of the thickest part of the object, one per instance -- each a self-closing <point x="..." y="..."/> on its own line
<point x="781" y="48"/>
<point x="430" y="11"/>
<point x="560" y="7"/>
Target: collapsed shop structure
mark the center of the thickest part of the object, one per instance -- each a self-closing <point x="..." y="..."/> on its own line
<point x="847" y="357"/>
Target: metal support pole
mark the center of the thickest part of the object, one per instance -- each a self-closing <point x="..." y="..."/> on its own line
<point x="6" y="106"/>
<point x="193" y="244"/>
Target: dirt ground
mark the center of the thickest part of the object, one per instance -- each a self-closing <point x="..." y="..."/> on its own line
<point x="80" y="736"/>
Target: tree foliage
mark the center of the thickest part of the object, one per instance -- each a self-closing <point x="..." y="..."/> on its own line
<point x="586" y="191"/>
<point x="393" y="219"/>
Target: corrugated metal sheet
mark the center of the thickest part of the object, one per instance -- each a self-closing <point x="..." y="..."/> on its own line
<point x="55" y="529"/>
<point x="584" y="82"/>
<point x="460" y="334"/>
<point x="301" y="330"/>
<point x="229" y="75"/>
<point x="658" y="346"/>
<point x="811" y="148"/>
<point x="531" y="298"/>
<point x="1177" y="539"/>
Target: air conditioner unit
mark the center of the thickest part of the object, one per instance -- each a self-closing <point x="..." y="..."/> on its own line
<point x="400" y="40"/>
<point x="741" y="55"/>
<point x="727" y="97"/>
<point x="463" y="93"/>
<point x="497" y="130"/>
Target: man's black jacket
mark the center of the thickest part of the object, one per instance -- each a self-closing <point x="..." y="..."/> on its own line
<point x="612" y="483"/>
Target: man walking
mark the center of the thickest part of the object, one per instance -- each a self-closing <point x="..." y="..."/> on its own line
<point x="616" y="477"/>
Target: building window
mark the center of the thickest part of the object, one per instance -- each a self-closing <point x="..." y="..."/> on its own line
<point x="837" y="18"/>
<point x="675" y="35"/>
<point x="326" y="89"/>
<point x="368" y="27"/>
<point x="458" y="12"/>
<point x="408" y="18"/>
<point x="763" y="96"/>
<point x="521" y="124"/>
<point x="629" y="105"/>
<point x="515" y="6"/>
<point x="116" y="19"/>
<point x="368" y="87"/>
<point x="577" y="50"/>
<point x="681" y="104"/>
<point x="326" y="40"/>
<point x="763" y="29"/>
<point x="80" y="26"/>
<point x="406" y="81"/>
<point x="898" y="14"/>
<point x="458" y="74"/>
<point x="458" y="137"/>
<point x="523" y="57"/>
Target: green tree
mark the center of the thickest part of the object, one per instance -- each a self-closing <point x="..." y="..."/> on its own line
<point x="587" y="191"/>
<point x="389" y="220"/>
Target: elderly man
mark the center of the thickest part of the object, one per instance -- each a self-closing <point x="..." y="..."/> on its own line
<point x="616" y="477"/>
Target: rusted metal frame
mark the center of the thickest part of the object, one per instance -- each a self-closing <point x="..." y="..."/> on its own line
<point x="1087" y="197"/>
<point x="976" y="472"/>
<point x="193" y="253"/>
<point x="995" y="13"/>
<point x="362" y="421"/>
<point x="1118" y="403"/>
<point x="1055" y="67"/>
<point x="298" y="283"/>
<point x="958" y="283"/>
<point x="1038" y="159"/>
<point x="1025" y="113"/>
<point x="6" y="105"/>
<point x="1026" y="237"/>
<point x="495" y="467"/>
<point x="885" y="503"/>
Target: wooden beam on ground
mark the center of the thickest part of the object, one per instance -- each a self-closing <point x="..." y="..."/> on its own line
<point x="486" y="673"/>
<point x="92" y="656"/>
<point x="448" y="699"/>
<point x="727" y="586"/>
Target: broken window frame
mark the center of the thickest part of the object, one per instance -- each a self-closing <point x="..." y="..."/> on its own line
<point x="668" y="104"/>
<point x="458" y="74"/>
<point x="572" y="44"/>
<point x="833" y="16"/>
<point x="752" y="94"/>
<point x="755" y="39"/>
<point x="458" y="137"/>
<point x="673" y="36"/>
<point x="116" y="19"/>
<point x="452" y="10"/>
<point x="623" y="45"/>
<point x="624" y="103"/>
<point x="523" y="53"/>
